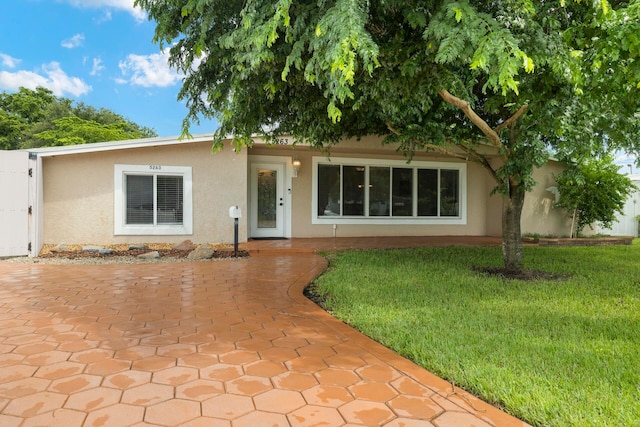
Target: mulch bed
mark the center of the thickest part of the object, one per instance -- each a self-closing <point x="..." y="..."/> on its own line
<point x="164" y="253"/>
<point x="526" y="275"/>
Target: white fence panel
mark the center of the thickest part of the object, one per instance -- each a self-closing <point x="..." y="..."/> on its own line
<point x="14" y="203"/>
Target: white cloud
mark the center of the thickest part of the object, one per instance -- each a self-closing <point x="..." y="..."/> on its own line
<point x="9" y="61"/>
<point x="147" y="71"/>
<point x="126" y="5"/>
<point x="97" y="67"/>
<point x="52" y="77"/>
<point x="73" y="41"/>
<point x="106" y="17"/>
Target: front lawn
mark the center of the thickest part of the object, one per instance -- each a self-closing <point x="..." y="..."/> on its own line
<point x="552" y="353"/>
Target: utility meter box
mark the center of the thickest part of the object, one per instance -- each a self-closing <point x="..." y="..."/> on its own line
<point x="234" y="212"/>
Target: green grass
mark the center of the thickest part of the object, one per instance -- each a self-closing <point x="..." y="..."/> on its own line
<point x="552" y="353"/>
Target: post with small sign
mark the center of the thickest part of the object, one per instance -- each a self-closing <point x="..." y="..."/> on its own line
<point x="234" y="212"/>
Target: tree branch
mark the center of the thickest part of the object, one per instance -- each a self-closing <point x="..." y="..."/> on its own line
<point x="463" y="105"/>
<point x="511" y="120"/>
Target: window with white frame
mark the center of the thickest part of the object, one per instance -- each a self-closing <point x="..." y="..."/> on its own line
<point x="375" y="191"/>
<point x="152" y="199"/>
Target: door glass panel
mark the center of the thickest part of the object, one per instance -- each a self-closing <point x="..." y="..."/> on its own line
<point x="267" y="198"/>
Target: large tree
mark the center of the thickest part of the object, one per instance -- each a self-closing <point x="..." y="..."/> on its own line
<point x="37" y="118"/>
<point x="499" y="83"/>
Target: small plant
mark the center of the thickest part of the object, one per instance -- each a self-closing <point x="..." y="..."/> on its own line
<point x="593" y="191"/>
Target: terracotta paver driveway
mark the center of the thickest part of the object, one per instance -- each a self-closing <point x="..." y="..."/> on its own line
<point x="220" y="343"/>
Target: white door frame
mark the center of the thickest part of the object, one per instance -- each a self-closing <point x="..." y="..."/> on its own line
<point x="285" y="189"/>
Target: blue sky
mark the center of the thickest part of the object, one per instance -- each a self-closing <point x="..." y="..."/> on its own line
<point x="94" y="51"/>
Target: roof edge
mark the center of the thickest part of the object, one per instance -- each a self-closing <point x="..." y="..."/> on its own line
<point x="118" y="145"/>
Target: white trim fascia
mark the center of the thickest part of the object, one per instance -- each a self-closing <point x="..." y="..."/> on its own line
<point x="117" y="145"/>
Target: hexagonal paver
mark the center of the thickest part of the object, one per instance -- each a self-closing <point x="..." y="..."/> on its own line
<point x="198" y="360"/>
<point x="199" y="390"/>
<point x="265" y="368"/>
<point x="59" y="417"/>
<point x="380" y="373"/>
<point x="154" y="363"/>
<point x="172" y="412"/>
<point x="175" y="376"/>
<point x="345" y="361"/>
<point x="207" y="422"/>
<point x="91" y="355"/>
<point x="290" y="342"/>
<point x="93" y="399"/>
<point x="227" y="406"/>
<point x="35" y="348"/>
<point x="415" y="407"/>
<point x="176" y="350"/>
<point x="35" y="404"/>
<point x="278" y="354"/>
<point x="410" y="386"/>
<point x="107" y="367"/>
<point x="378" y="392"/>
<point x="136" y="352"/>
<point x="60" y="370"/>
<point x="222" y="372"/>
<point x="327" y="395"/>
<point x="409" y="422"/>
<point x="128" y="379"/>
<point x="259" y="418"/>
<point x="239" y="357"/>
<point x="367" y="413"/>
<point x="294" y="381"/>
<point x="75" y="383"/>
<point x="248" y="385"/>
<point x="316" y="350"/>
<point x="280" y="401"/>
<point x="306" y="364"/>
<point x="115" y="416"/>
<point x="311" y="416"/>
<point x="17" y="372"/>
<point x="216" y="347"/>
<point x="454" y="419"/>
<point x="147" y="394"/>
<point x="340" y="377"/>
<point x="22" y="387"/>
<point x="47" y="358"/>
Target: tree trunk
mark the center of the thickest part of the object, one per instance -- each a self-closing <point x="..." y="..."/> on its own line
<point x="512" y="251"/>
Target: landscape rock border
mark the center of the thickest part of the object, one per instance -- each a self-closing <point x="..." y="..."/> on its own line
<point x="131" y="253"/>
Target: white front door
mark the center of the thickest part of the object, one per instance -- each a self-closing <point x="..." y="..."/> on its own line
<point x="267" y="203"/>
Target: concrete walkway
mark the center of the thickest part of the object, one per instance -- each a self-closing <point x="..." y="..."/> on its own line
<point x="220" y="343"/>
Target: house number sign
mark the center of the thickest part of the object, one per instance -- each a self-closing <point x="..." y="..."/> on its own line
<point x="155" y="167"/>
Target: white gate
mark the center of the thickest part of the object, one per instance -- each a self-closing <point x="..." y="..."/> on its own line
<point x="14" y="203"/>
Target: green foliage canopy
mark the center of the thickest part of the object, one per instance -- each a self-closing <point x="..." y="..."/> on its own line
<point x="594" y="190"/>
<point x="37" y="118"/>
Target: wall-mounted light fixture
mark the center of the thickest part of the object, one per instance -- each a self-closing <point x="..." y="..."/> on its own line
<point x="296" y="167"/>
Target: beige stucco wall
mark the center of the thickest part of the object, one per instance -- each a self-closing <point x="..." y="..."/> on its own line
<point x="539" y="216"/>
<point x="370" y="148"/>
<point x="79" y="193"/>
